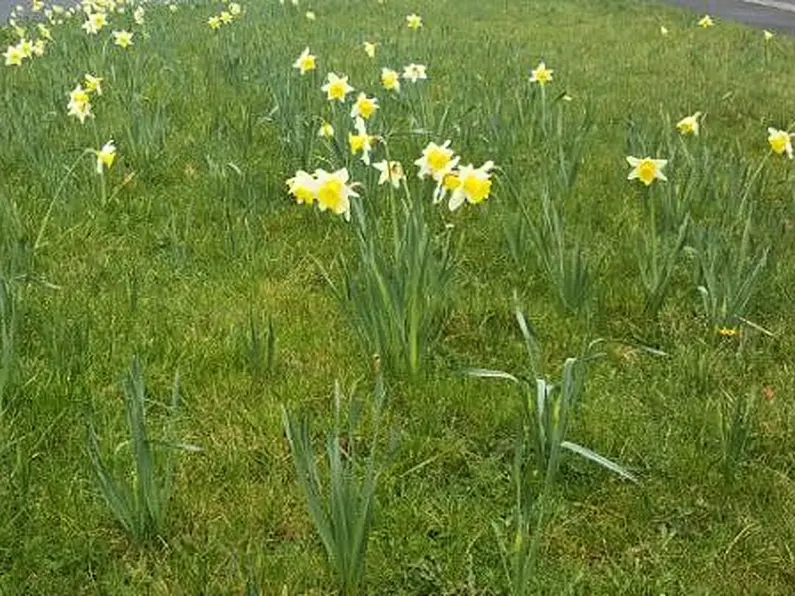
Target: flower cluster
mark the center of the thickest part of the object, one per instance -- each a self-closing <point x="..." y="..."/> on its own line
<point x="79" y="104"/>
<point x="330" y="190"/>
<point x="25" y="48"/>
<point x="233" y="10"/>
<point x="463" y="183"/>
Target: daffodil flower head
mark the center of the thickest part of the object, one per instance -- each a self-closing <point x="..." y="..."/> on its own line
<point x="471" y="184"/>
<point x="14" y="56"/>
<point x="138" y="15"/>
<point x="326" y="130"/>
<point x="390" y="79"/>
<point x="305" y="62"/>
<point x="79" y="104"/>
<point x="663" y="30"/>
<point x="706" y="22"/>
<point x="437" y="161"/>
<point x="105" y="156"/>
<point x="541" y="74"/>
<point x="364" y="106"/>
<point x="362" y="141"/>
<point x="214" y="22"/>
<point x="334" y="192"/>
<point x="95" y="21"/>
<point x="235" y="9"/>
<point x="768" y="35"/>
<point x="44" y="31"/>
<point x="391" y="172"/>
<point x="310" y="15"/>
<point x="414" y="21"/>
<point x="38" y="47"/>
<point x="369" y="49"/>
<point x="689" y="125"/>
<point x="414" y="72"/>
<point x="93" y="84"/>
<point x="123" y="39"/>
<point x="647" y="170"/>
<point x="226" y="17"/>
<point x="780" y="141"/>
<point x="336" y="88"/>
<point x="303" y="187"/>
<point x="27" y="47"/>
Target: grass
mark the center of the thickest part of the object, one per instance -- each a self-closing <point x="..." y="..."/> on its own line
<point x="197" y="237"/>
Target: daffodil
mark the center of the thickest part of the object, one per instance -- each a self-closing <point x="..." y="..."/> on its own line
<point x="364" y="106"/>
<point x="326" y="130"/>
<point x="14" y="56"/>
<point x="123" y="39"/>
<point x="334" y="192"/>
<point x="44" y="31"/>
<point x="105" y="156"/>
<point x="768" y="35"/>
<point x="79" y="104"/>
<point x="38" y="47"/>
<point x="706" y="22"/>
<point x="470" y="184"/>
<point x="226" y="17"/>
<point x="139" y="15"/>
<point x="391" y="172"/>
<point x="305" y="62"/>
<point x="93" y="84"/>
<point x="235" y="9"/>
<point x="336" y="88"/>
<point x="541" y="74"/>
<point x="95" y="22"/>
<point x="437" y="161"/>
<point x="214" y="22"/>
<point x="663" y="30"/>
<point x="26" y="46"/>
<point x="414" y="21"/>
<point x="369" y="49"/>
<point x="689" y="124"/>
<point x="414" y="72"/>
<point x="647" y="170"/>
<point x="303" y="187"/>
<point x="310" y="15"/>
<point x="390" y="80"/>
<point x="780" y="141"/>
<point x="362" y="141"/>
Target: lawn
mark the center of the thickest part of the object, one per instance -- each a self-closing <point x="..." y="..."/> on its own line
<point x="650" y="323"/>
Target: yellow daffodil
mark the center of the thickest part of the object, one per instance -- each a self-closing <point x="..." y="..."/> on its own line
<point x="93" y="84"/>
<point x="437" y="161"/>
<point x="780" y="141"/>
<point x="414" y="21"/>
<point x="79" y="104"/>
<point x="326" y="130"/>
<point x="414" y="72"/>
<point x="26" y="46"/>
<point x="36" y="5"/>
<point x="369" y="49"/>
<point x="95" y="22"/>
<point x="541" y="74"/>
<point x="689" y="124"/>
<point x="303" y="187"/>
<point x="706" y="22"/>
<point x="14" y="56"/>
<point x="336" y="88"/>
<point x="663" y="30"/>
<point x="470" y="184"/>
<point x="123" y="39"/>
<point x="310" y="15"/>
<point x="334" y="192"/>
<point x="768" y="35"/>
<point x="391" y="172"/>
<point x="105" y="156"/>
<point x="362" y="141"/>
<point x="214" y="22"/>
<point x="647" y="170"/>
<point x="364" y="106"/>
<point x="235" y="9"/>
<point x="226" y="17"/>
<point x="139" y="15"/>
<point x="390" y="80"/>
<point x="174" y="8"/>
<point x="305" y="62"/>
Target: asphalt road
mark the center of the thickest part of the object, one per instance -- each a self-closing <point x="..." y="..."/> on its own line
<point x="767" y="14"/>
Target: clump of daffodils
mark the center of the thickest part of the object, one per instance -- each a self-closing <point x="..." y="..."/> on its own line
<point x="464" y="184"/>
<point x="780" y="141"/>
<point x="25" y="48"/>
<point x="647" y="170"/>
<point x="330" y="190"/>
<point x="225" y="16"/>
<point x="689" y="125"/>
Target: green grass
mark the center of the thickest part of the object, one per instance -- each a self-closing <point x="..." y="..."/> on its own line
<point x="175" y="266"/>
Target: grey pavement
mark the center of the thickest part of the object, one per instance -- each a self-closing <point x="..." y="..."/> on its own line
<point x="775" y="15"/>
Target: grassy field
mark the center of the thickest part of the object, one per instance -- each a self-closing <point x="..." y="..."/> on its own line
<point x="189" y="255"/>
